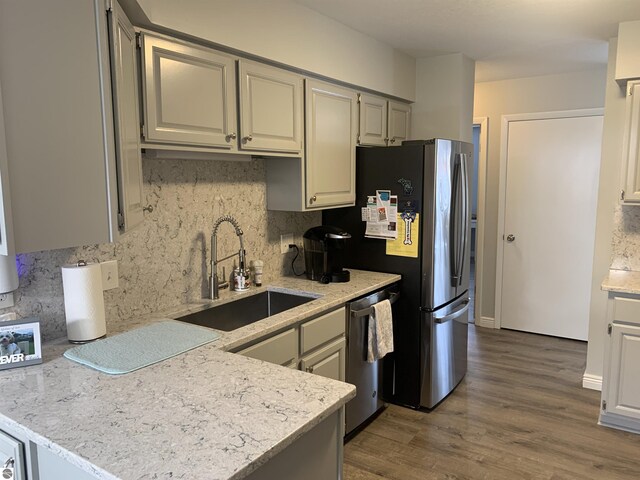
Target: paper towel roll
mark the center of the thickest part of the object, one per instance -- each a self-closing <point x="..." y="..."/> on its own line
<point x="8" y="273"/>
<point x="83" y="302"/>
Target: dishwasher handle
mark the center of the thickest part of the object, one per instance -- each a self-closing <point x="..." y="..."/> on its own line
<point x="393" y="296"/>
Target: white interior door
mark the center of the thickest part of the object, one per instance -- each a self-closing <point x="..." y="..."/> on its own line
<point x="550" y="194"/>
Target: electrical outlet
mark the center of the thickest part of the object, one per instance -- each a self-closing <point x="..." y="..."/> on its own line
<point x="109" y="274"/>
<point x="6" y="300"/>
<point x="285" y="240"/>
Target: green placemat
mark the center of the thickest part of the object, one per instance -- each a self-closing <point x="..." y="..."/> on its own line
<point x="139" y="348"/>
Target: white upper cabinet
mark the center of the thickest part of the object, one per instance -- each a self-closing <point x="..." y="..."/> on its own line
<point x="630" y="179"/>
<point x="271" y="109"/>
<point x="58" y="124"/>
<point x="399" y="123"/>
<point x="373" y="120"/>
<point x="331" y="134"/>
<point x="189" y="94"/>
<point x="382" y="122"/>
<point x="124" y="76"/>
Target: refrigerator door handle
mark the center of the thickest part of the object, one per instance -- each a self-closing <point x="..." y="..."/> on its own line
<point x="453" y="233"/>
<point x="458" y="312"/>
<point x="464" y="184"/>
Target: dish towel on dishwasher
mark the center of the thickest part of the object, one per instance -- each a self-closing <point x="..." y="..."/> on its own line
<point x="380" y="334"/>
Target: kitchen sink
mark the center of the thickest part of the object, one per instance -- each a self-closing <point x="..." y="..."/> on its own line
<point x="245" y="311"/>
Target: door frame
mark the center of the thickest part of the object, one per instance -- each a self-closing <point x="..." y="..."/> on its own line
<point x="483" y="122"/>
<point x="504" y="144"/>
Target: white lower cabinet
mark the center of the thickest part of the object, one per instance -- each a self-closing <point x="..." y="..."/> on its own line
<point x="316" y="346"/>
<point x="620" y="386"/>
<point x="281" y="349"/>
<point x="34" y="462"/>
<point x="328" y="361"/>
<point x="12" y="456"/>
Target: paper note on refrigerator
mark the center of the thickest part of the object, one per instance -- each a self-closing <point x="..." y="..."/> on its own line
<point x="380" y="214"/>
<point x="406" y="244"/>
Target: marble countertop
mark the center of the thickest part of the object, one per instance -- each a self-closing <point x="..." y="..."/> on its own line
<point x="623" y="281"/>
<point x="206" y="413"/>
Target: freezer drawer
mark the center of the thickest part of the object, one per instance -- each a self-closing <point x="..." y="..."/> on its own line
<point x="444" y="350"/>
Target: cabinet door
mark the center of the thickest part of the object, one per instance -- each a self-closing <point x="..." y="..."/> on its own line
<point x="399" y="123"/>
<point x="328" y="361"/>
<point x="12" y="451"/>
<point x="58" y="123"/>
<point x="270" y="108"/>
<point x="6" y="225"/>
<point x="373" y="120"/>
<point x="630" y="181"/>
<point x="331" y="126"/>
<point x="124" y="78"/>
<point x="622" y="387"/>
<point x="189" y="94"/>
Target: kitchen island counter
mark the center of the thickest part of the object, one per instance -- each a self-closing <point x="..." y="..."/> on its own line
<point x="206" y="413"/>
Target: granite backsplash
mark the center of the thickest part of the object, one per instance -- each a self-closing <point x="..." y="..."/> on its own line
<point x="626" y="238"/>
<point x="162" y="263"/>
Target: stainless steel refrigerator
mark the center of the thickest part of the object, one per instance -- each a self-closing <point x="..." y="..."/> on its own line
<point x="431" y="179"/>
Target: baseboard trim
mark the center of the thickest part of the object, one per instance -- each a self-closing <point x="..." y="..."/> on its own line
<point x="592" y="382"/>
<point x="486" y="322"/>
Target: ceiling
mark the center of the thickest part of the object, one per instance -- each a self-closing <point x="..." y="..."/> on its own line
<point x="507" y="38"/>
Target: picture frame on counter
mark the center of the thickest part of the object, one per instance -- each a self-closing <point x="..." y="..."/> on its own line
<point x="20" y="343"/>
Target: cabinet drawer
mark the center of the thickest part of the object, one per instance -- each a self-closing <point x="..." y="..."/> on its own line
<point x="626" y="309"/>
<point x="281" y="349"/>
<point x="316" y="332"/>
<point x="12" y="448"/>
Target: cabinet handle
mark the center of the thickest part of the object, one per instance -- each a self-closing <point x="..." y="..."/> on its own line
<point x="313" y="199"/>
<point x="9" y="463"/>
<point x="246" y="139"/>
<point x="310" y="369"/>
<point x="231" y="136"/>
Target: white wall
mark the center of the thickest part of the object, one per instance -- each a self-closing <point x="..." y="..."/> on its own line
<point x="444" y="98"/>
<point x="547" y="93"/>
<point x="285" y="32"/>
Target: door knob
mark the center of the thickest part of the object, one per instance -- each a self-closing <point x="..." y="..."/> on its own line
<point x="510" y="238"/>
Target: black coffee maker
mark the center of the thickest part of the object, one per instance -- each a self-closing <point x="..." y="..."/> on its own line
<point x="324" y="248"/>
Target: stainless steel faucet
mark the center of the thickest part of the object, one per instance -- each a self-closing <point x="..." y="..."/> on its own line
<point x="214" y="281"/>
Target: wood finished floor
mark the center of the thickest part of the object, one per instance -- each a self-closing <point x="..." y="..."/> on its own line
<point x="520" y="413"/>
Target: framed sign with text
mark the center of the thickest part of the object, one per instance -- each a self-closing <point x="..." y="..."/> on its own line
<point x="20" y="343"/>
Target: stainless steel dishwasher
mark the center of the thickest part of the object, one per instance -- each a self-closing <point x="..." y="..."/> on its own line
<point x="365" y="376"/>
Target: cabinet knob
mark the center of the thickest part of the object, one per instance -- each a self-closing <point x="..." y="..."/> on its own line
<point x="9" y="463"/>
<point x="246" y="139"/>
<point x="511" y="238"/>
<point x="310" y="369"/>
<point x="231" y="136"/>
<point x="393" y="140"/>
<point x="313" y="199"/>
<point x="148" y="208"/>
